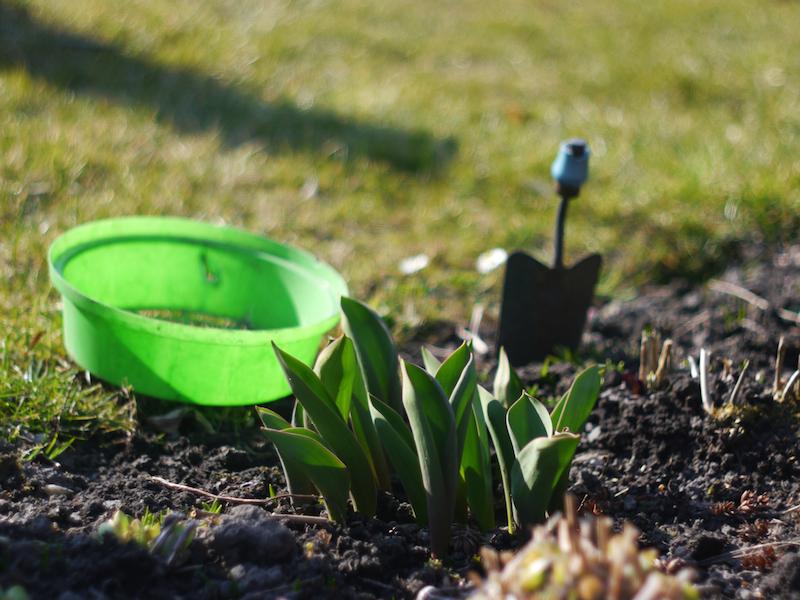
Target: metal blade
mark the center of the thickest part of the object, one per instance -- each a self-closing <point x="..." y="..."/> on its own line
<point x="544" y="308"/>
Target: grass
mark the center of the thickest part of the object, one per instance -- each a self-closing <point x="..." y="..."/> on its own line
<point x="368" y="132"/>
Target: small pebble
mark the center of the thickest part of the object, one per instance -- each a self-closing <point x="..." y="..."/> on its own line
<point x="237" y="572"/>
<point x="51" y="489"/>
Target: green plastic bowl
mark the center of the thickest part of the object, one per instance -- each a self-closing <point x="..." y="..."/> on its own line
<point x="187" y="311"/>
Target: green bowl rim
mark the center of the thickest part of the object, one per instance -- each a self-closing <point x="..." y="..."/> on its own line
<point x="102" y="231"/>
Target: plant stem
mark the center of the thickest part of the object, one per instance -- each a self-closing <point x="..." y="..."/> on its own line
<point x="300" y="519"/>
<point x="232" y="499"/>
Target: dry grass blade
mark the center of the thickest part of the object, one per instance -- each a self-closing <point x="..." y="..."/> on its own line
<point x="732" y="289"/>
<point x="663" y="362"/>
<point x="790" y="389"/>
<point x="737" y="388"/>
<point x="780" y="357"/>
<point x="737" y="291"/>
<point x="693" y="371"/>
<point x="654" y="359"/>
<point x="708" y="405"/>
<point x="741" y="552"/>
<point x="308" y="520"/>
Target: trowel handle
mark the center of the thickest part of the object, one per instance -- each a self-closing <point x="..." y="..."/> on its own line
<point x="558" y="249"/>
<point x="570" y="170"/>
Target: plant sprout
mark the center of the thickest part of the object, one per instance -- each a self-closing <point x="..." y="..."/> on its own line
<point x="15" y="592"/>
<point x="534" y="448"/>
<point x="163" y="535"/>
<point x="362" y="415"/>
<point x="585" y="561"/>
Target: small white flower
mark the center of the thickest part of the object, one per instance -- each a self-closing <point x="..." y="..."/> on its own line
<point x="491" y="259"/>
<point x="414" y="264"/>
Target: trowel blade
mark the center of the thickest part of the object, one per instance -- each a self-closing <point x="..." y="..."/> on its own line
<point x="543" y="308"/>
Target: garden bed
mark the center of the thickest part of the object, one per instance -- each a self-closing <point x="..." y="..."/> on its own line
<point x="719" y="493"/>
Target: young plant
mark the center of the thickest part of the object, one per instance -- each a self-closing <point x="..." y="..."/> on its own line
<point x="326" y="454"/>
<point x="339" y="370"/>
<point x="534" y="448"/>
<point x="15" y="592"/>
<point x="142" y="531"/>
<point x="475" y="474"/>
<point x="348" y="427"/>
<point x="164" y="536"/>
<point x="427" y="454"/>
<point x="570" y="559"/>
<point x="433" y="426"/>
<point x="332" y="444"/>
<point x="457" y="378"/>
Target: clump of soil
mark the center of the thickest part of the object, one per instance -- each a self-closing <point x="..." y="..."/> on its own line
<point x="720" y="494"/>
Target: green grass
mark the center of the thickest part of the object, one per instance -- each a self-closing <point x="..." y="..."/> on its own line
<point x="425" y="127"/>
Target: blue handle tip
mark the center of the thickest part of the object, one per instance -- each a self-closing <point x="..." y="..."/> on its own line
<point x="570" y="169"/>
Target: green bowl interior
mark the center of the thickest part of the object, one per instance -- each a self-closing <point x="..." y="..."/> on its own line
<point x="182" y="277"/>
<point x="198" y="274"/>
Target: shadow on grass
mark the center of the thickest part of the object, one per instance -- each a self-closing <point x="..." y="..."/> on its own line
<point x="192" y="102"/>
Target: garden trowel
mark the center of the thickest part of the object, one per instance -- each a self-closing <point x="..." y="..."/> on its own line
<point x="544" y="308"/>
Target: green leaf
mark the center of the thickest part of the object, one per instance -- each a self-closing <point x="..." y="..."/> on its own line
<point x="297" y="481"/>
<point x="476" y="468"/>
<point x="449" y="372"/>
<point x="317" y="404"/>
<point x="462" y="392"/>
<point x="319" y="465"/>
<point x="399" y="444"/>
<point x="570" y="414"/>
<point x="536" y="472"/>
<point x="494" y="414"/>
<point x="272" y="420"/>
<point x="298" y="415"/>
<point x="557" y="498"/>
<point x="459" y="381"/>
<point x="527" y="419"/>
<point x="337" y="368"/>
<point x="377" y="354"/>
<point x="366" y="434"/>
<point x="433" y="427"/>
<point x="431" y="363"/>
<point x="507" y="384"/>
<point x="576" y="405"/>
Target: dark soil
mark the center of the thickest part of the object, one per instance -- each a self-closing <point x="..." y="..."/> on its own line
<point x="715" y="492"/>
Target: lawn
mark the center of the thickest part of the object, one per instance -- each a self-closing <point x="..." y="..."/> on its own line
<point x="368" y="132"/>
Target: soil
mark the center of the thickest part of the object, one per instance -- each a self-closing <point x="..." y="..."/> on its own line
<point x="719" y="493"/>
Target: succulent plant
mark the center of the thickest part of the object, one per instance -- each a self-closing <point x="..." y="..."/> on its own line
<point x="580" y="560"/>
<point x="15" y="592"/>
<point x="165" y="538"/>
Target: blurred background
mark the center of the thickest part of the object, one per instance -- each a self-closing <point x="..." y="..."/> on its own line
<point x="369" y="132"/>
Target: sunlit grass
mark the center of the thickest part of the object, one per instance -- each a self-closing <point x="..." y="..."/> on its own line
<point x="367" y="132"/>
<point x="46" y="402"/>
